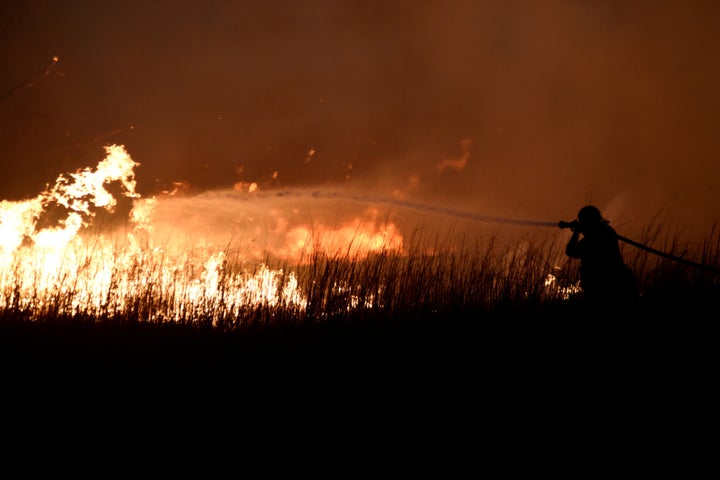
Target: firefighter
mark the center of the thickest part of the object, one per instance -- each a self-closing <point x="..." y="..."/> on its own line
<point x="605" y="278"/>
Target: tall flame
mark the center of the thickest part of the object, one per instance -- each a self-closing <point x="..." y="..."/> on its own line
<point x="60" y="269"/>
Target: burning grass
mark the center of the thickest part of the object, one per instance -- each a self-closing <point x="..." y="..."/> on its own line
<point x="107" y="280"/>
<point x="66" y="268"/>
<point x="211" y="287"/>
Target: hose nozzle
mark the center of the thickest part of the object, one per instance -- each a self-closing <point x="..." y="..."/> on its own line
<point x="571" y="225"/>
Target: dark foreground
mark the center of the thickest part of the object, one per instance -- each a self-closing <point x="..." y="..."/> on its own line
<point x="553" y="391"/>
<point x="560" y="338"/>
<point x="598" y="390"/>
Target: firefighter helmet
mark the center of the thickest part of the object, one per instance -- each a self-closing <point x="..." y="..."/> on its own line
<point x="590" y="214"/>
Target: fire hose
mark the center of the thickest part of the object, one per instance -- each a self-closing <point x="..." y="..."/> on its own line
<point x="561" y="224"/>
<point x="486" y="218"/>
<point x="481" y="218"/>
<point x="660" y="253"/>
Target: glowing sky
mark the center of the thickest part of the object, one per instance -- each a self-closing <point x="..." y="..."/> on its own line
<point x="519" y="108"/>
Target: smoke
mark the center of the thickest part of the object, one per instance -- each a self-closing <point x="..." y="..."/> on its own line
<point x="511" y="109"/>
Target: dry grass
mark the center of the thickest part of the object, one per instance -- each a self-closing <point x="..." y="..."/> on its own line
<point x="441" y="291"/>
<point x="434" y="277"/>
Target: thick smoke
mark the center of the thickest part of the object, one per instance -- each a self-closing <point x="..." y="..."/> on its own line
<point x="517" y="109"/>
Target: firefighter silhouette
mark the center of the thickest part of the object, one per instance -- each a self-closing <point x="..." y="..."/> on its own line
<point x="605" y="278"/>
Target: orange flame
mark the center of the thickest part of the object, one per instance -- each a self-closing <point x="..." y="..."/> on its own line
<point x="64" y="269"/>
<point x="355" y="239"/>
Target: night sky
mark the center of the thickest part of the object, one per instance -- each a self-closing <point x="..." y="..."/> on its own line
<point x="527" y="109"/>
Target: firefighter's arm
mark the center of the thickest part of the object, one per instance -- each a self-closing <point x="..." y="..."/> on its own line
<point x="574" y="248"/>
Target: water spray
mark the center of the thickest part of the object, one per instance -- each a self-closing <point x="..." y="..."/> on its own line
<point x="416" y="206"/>
<point x="480" y="218"/>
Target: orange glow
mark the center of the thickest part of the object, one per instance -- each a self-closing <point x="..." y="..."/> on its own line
<point x="65" y="269"/>
<point x="63" y="266"/>
<point x="355" y="240"/>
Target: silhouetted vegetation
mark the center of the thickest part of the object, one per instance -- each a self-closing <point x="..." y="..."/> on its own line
<point x="441" y="295"/>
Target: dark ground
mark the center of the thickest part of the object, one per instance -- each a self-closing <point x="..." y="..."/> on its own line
<point x="548" y="391"/>
<point x="557" y="339"/>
